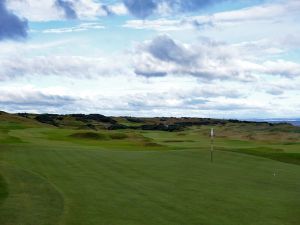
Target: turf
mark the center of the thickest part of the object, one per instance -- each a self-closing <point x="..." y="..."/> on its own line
<point x="60" y="176"/>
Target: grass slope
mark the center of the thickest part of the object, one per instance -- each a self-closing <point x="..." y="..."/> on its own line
<point x="130" y="177"/>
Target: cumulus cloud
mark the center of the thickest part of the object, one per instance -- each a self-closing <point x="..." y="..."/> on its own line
<point x="11" y="26"/>
<point x="206" y="59"/>
<point x="165" y="56"/>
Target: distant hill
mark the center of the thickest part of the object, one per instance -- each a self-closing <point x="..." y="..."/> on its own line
<point x="100" y="122"/>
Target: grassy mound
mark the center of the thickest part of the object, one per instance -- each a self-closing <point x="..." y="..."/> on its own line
<point x="89" y="135"/>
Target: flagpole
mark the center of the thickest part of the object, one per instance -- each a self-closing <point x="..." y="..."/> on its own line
<point x="211" y="144"/>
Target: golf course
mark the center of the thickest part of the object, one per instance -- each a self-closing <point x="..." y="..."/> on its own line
<point x="75" y="172"/>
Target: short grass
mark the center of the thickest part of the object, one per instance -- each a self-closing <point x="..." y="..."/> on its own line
<point x="56" y="176"/>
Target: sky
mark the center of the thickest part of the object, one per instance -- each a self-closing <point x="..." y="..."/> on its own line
<point x="201" y="58"/>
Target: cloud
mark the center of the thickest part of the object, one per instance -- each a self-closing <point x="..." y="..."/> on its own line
<point x="165" y="56"/>
<point x="11" y="26"/>
<point x="141" y="9"/>
<point x="206" y="59"/>
<point x="268" y="12"/>
<point x="79" y="28"/>
<point x="145" y="8"/>
<point x="67" y="7"/>
<point x="282" y="67"/>
<point x="190" y="5"/>
<point x="68" y="66"/>
<point x="28" y="98"/>
<point x="221" y="99"/>
<point x="118" y="9"/>
<point x="158" y="24"/>
<point x="164" y="48"/>
<point x="175" y="102"/>
<point x="49" y="10"/>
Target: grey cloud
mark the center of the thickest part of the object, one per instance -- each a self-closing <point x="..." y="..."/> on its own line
<point x="145" y="8"/>
<point x="141" y="9"/>
<point x="166" y="56"/>
<point x="107" y="9"/>
<point x="34" y="100"/>
<point x="150" y="73"/>
<point x="67" y="7"/>
<point x="11" y="26"/>
<point x="275" y="91"/>
<point x="165" y="49"/>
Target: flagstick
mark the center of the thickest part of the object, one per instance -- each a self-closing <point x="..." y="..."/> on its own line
<point x="211" y="144"/>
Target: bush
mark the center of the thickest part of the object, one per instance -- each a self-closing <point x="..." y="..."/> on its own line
<point x="89" y="135"/>
<point x="47" y="118"/>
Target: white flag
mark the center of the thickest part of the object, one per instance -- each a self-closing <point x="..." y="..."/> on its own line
<point x="212" y="132"/>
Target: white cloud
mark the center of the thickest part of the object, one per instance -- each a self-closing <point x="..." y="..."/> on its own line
<point x="159" y="25"/>
<point x="208" y="60"/>
<point x="47" y="10"/>
<point x="268" y="12"/>
<point x="72" y="66"/>
<point x="282" y="67"/>
<point x="43" y="10"/>
<point x="118" y="9"/>
<point x="79" y="28"/>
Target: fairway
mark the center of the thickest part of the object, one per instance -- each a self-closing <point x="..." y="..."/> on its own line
<point x="61" y="176"/>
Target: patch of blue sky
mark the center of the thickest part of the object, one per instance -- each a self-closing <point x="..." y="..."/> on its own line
<point x="291" y="55"/>
<point x="89" y="41"/>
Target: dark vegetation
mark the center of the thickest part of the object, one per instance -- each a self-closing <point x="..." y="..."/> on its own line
<point x="98" y="122"/>
<point x="48" y="118"/>
<point x="93" y="117"/>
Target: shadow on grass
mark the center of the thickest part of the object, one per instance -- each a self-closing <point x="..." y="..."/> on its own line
<point x="3" y="190"/>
